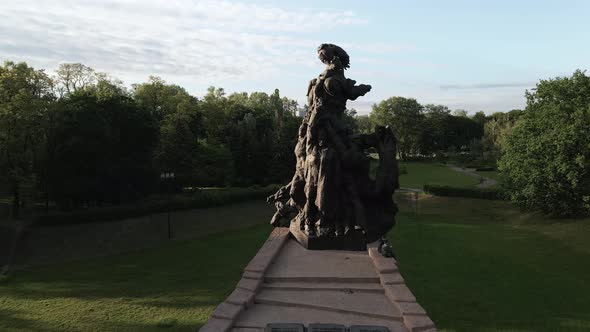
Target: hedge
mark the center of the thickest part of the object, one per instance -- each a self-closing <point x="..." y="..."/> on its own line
<point x="200" y="199"/>
<point x="482" y="193"/>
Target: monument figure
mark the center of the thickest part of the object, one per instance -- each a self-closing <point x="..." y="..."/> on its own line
<point x="332" y="202"/>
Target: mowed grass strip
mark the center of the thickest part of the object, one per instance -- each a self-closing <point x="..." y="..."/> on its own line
<point x="421" y="173"/>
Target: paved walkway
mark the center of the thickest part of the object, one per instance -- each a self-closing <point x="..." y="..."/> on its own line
<point x="485" y="181"/>
<point x="285" y="283"/>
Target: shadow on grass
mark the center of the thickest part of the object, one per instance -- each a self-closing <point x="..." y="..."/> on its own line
<point x="182" y="281"/>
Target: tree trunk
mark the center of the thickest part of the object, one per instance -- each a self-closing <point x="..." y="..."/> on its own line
<point x="15" y="201"/>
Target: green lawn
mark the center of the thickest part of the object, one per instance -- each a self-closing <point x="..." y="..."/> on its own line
<point x="420" y="173"/>
<point x="174" y="288"/>
<point x="475" y="265"/>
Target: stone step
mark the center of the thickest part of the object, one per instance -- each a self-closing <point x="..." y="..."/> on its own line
<point x="374" y="305"/>
<point x="261" y="314"/>
<point x="324" y="280"/>
<point x="342" y="286"/>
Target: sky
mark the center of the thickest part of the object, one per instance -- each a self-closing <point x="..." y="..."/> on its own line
<point x="472" y="55"/>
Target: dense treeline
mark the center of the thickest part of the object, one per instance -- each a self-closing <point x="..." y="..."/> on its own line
<point x="82" y="138"/>
<point x="433" y="131"/>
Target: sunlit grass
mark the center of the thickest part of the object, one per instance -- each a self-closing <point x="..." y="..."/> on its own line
<point x="420" y="173"/>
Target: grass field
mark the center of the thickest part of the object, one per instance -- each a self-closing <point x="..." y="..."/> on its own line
<point x="475" y="265"/>
<point x="420" y="173"/>
<point x="174" y="288"/>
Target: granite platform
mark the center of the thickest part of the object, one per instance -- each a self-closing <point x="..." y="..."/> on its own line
<point x="286" y="283"/>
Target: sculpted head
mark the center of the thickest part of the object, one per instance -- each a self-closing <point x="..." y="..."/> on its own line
<point x="331" y="54"/>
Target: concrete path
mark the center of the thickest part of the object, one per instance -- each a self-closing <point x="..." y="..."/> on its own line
<point x="285" y="283"/>
<point x="485" y="181"/>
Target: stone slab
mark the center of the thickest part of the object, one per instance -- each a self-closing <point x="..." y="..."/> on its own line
<point x="297" y="262"/>
<point x="392" y="279"/>
<point x="241" y="297"/>
<point x="217" y="325"/>
<point x="411" y="309"/>
<point x="227" y="311"/>
<point x="310" y="286"/>
<point x="261" y="314"/>
<point x="249" y="284"/>
<point x="418" y="323"/>
<point x="399" y="293"/>
<point x="368" y="304"/>
<point x="382" y="264"/>
<point x="268" y="251"/>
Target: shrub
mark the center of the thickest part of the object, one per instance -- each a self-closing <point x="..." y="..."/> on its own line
<point x="481" y="193"/>
<point x="199" y="199"/>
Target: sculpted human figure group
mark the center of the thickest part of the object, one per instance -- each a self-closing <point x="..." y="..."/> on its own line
<point x="332" y="194"/>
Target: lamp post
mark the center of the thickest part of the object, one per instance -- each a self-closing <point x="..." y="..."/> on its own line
<point x="169" y="178"/>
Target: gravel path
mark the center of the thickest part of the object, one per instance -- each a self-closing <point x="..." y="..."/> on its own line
<point x="485" y="181"/>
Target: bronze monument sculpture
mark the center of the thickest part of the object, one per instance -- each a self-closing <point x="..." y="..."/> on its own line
<point x="331" y="201"/>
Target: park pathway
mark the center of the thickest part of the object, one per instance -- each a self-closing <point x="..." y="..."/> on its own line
<point x="485" y="182"/>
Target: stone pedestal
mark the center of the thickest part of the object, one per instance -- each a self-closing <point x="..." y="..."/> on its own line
<point x="285" y="283"/>
<point x="353" y="240"/>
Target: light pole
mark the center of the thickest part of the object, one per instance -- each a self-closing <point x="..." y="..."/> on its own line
<point x="169" y="178"/>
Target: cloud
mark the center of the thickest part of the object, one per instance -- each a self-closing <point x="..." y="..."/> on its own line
<point x="205" y="40"/>
<point x="485" y="86"/>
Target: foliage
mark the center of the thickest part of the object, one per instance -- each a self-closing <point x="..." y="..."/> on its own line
<point x="98" y="151"/>
<point x="546" y="159"/>
<point x="427" y="130"/>
<point x="496" y="130"/>
<point x="25" y="95"/>
<point x="404" y="116"/>
<point x="482" y="193"/>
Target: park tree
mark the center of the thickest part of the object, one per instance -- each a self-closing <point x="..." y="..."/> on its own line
<point x="25" y="96"/>
<point x="496" y="130"/>
<point x="546" y="158"/>
<point x="460" y="113"/>
<point x="161" y="98"/>
<point x="100" y="150"/>
<point x="364" y="124"/>
<point x="72" y="77"/>
<point x="480" y="117"/>
<point x="434" y="132"/>
<point x="405" y="117"/>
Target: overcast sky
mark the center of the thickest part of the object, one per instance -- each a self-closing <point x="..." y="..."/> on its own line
<point x="473" y="55"/>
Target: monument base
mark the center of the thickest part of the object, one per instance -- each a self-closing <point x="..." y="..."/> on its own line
<point x="354" y="240"/>
<point x="288" y="284"/>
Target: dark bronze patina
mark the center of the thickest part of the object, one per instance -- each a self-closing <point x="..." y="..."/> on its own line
<point x="331" y="202"/>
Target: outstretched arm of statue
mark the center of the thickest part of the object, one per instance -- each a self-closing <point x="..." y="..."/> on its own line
<point x="355" y="91"/>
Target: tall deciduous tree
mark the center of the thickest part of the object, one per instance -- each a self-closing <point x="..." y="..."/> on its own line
<point x="405" y="116"/>
<point x="25" y="94"/>
<point x="546" y="158"/>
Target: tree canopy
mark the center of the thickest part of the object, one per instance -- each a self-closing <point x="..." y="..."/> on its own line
<point x="546" y="158"/>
